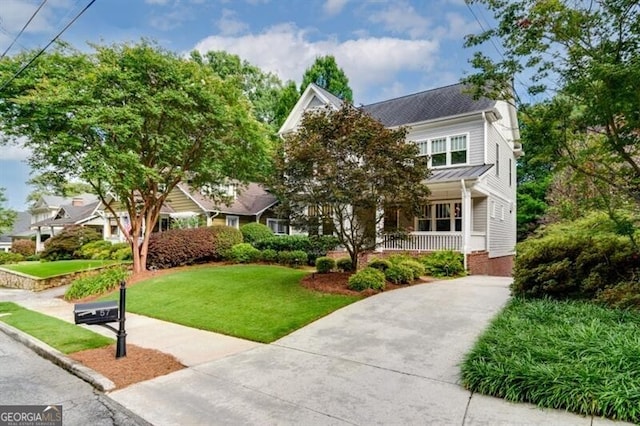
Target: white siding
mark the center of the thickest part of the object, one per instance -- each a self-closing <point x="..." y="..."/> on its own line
<point x="472" y="126"/>
<point x="502" y="226"/>
<point x="480" y="207"/>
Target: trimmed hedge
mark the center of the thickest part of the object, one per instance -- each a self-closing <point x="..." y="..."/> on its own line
<point x="269" y="255"/>
<point x="367" y="278"/>
<point x="244" y="253"/>
<point x="177" y="247"/>
<point x="67" y="243"/>
<point x="293" y="258"/>
<point x="379" y="264"/>
<point x="224" y="238"/>
<point x="325" y="264"/>
<point x="344" y="264"/>
<point x="314" y="246"/>
<point x="254" y="231"/>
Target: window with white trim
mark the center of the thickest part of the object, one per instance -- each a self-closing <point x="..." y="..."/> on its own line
<point x="233" y="221"/>
<point x="440" y="217"/>
<point x="445" y="151"/>
<point x="278" y="226"/>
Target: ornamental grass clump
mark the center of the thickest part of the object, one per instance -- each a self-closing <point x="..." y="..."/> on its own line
<point x="90" y="285"/>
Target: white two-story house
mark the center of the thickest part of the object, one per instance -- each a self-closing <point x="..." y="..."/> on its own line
<point x="472" y="147"/>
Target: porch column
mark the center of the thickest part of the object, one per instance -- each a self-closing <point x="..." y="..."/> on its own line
<point x="106" y="228"/>
<point x="39" y="247"/>
<point x="379" y="229"/>
<point x="466" y="221"/>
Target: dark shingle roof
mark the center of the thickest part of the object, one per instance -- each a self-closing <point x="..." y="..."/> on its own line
<point x="70" y="214"/>
<point x="457" y="173"/>
<point x="429" y="105"/>
<point x="250" y="200"/>
<point x="21" y="224"/>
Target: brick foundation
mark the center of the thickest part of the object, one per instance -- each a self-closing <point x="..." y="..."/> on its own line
<point x="478" y="263"/>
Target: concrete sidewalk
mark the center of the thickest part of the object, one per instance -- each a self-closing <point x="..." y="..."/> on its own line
<point x="389" y="359"/>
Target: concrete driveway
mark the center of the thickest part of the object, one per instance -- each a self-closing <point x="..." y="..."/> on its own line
<point x="389" y="359"/>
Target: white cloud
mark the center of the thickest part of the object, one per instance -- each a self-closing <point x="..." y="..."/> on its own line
<point x="228" y="24"/>
<point x="14" y="152"/>
<point x="170" y="20"/>
<point x="370" y="63"/>
<point x="16" y="13"/>
<point x="334" y="7"/>
<point x="402" y="18"/>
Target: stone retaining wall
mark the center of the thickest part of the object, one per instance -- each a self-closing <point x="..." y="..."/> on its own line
<point x="13" y="279"/>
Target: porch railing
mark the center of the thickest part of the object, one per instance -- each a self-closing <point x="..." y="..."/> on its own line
<point x="424" y="241"/>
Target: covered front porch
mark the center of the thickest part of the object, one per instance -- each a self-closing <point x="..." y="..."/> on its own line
<point x="456" y="217"/>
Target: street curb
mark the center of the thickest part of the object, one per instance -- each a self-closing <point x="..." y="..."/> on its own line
<point x="90" y="376"/>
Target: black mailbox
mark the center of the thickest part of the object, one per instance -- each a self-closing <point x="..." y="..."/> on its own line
<point x="96" y="313"/>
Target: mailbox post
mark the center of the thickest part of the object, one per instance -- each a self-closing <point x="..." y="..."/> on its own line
<point x="102" y="313"/>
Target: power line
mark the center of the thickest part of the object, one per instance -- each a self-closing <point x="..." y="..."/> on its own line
<point x="23" y="28"/>
<point x="24" y="67"/>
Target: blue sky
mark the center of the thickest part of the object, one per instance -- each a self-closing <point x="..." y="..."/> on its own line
<point x="386" y="48"/>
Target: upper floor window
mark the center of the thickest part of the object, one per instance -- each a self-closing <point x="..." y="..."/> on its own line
<point x="445" y="151"/>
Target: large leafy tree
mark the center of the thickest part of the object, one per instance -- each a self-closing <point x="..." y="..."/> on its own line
<point x="132" y="121"/>
<point x="340" y="168"/>
<point x="263" y="89"/>
<point x="43" y="184"/>
<point x="7" y="216"/>
<point x="587" y="52"/>
<point x="325" y="73"/>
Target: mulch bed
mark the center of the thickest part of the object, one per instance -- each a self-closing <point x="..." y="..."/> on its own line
<point x="337" y="283"/>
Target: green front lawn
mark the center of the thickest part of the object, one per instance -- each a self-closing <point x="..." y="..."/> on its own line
<point x="50" y="269"/>
<point x="569" y="355"/>
<point x="255" y="302"/>
<point x="64" y="336"/>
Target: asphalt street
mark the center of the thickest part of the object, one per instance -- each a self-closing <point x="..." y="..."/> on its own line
<point x="26" y="378"/>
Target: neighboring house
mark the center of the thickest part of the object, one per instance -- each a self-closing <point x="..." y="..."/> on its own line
<point x="20" y="230"/>
<point x="75" y="213"/>
<point x="187" y="206"/>
<point x="473" y="146"/>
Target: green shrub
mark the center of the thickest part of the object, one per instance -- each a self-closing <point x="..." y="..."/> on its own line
<point x="416" y="267"/>
<point x="292" y="258"/>
<point x="8" y="257"/>
<point x="444" y="263"/>
<point x="624" y="295"/>
<point x="379" y="264"/>
<point x="100" y="249"/>
<point x="344" y="264"/>
<point x="24" y="247"/>
<point x="399" y="274"/>
<point x="120" y="251"/>
<point x="269" y="255"/>
<point x="367" y="278"/>
<point x="93" y="284"/>
<point x="68" y="242"/>
<point x="314" y="246"/>
<point x="254" y="231"/>
<point x="581" y="259"/>
<point x="398" y="258"/>
<point x="177" y="247"/>
<point x="325" y="264"/>
<point x="244" y="253"/>
<point x="224" y="237"/>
